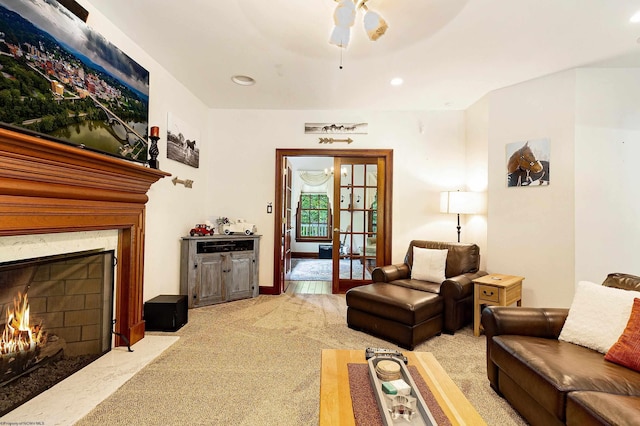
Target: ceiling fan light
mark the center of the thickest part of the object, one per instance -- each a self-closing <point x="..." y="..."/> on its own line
<point x="340" y="36"/>
<point x="374" y="25"/>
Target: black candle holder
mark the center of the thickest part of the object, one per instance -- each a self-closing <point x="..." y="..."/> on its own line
<point x="153" y="153"/>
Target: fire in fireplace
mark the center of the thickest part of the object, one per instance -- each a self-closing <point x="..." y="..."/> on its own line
<point x="58" y="312"/>
<point x="21" y="343"/>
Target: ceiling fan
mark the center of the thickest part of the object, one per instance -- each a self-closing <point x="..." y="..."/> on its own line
<point x="344" y="17"/>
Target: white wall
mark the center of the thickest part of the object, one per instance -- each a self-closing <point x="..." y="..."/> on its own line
<point x="171" y="210"/>
<point x="531" y="229"/>
<point x="477" y="173"/>
<point x="607" y="153"/>
<point x="429" y="156"/>
<point x="584" y="224"/>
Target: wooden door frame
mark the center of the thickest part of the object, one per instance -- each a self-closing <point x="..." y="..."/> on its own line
<point x="282" y="154"/>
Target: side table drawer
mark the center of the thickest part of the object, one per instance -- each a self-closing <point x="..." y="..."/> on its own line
<point x="488" y="293"/>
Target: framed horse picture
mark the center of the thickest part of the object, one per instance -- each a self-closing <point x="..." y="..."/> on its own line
<point x="528" y="163"/>
<point x="182" y="141"/>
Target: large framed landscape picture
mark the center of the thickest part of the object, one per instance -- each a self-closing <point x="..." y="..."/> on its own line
<point x="62" y="80"/>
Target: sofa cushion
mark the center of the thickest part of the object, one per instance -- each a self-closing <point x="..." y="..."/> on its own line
<point x="419" y="285"/>
<point x="547" y="369"/>
<point x="429" y="264"/>
<point x="626" y="351"/>
<point x="598" y="315"/>
<point x="598" y="408"/>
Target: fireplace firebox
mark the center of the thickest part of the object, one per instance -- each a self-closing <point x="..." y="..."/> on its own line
<point x="56" y="316"/>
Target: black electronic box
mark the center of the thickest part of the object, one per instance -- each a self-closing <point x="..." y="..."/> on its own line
<point x="165" y="313"/>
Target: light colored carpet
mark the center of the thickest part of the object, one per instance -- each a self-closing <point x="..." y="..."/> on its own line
<point x="321" y="270"/>
<point x="257" y="362"/>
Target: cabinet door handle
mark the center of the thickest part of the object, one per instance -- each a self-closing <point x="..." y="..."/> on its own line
<point x="486" y="293"/>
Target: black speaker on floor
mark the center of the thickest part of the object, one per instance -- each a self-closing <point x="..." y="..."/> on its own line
<point x="165" y="313"/>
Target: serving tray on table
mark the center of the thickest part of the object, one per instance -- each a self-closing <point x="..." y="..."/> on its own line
<point x="399" y="409"/>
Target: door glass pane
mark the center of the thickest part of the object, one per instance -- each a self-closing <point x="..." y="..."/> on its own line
<point x="357" y="227"/>
<point x="358" y="198"/>
<point x="358" y="174"/>
<point x="345" y="232"/>
<point x="345" y="175"/>
<point x="345" y="198"/>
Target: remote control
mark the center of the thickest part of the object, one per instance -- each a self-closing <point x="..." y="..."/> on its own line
<point x="381" y="352"/>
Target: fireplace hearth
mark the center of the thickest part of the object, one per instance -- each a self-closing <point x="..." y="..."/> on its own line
<point x="57" y="314"/>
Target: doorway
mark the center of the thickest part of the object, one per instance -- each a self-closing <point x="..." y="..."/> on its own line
<point x="364" y="221"/>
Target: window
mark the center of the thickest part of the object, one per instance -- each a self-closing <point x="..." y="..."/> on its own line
<point x="313" y="218"/>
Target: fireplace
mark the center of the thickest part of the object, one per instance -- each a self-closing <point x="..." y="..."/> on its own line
<point x="56" y="315"/>
<point x="47" y="187"/>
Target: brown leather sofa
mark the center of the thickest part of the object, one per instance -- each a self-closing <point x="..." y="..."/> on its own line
<point x="553" y="382"/>
<point x="406" y="311"/>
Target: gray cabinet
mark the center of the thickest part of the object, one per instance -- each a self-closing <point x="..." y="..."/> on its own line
<point x="219" y="268"/>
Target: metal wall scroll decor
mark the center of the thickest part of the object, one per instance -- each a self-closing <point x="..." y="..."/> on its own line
<point x="332" y="140"/>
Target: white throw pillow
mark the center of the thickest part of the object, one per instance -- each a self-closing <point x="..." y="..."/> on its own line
<point x="598" y="316"/>
<point x="429" y="264"/>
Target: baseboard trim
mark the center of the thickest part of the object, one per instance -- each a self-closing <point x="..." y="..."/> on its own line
<point x="304" y="255"/>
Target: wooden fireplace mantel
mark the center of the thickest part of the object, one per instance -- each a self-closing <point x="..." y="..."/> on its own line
<point x="49" y="187"/>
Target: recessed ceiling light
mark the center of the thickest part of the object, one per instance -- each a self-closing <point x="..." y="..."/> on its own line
<point x="397" y="81"/>
<point x="635" y="18"/>
<point x="243" y="80"/>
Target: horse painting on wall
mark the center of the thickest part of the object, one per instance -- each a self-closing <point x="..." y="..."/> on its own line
<point x="528" y="163"/>
<point x="182" y="142"/>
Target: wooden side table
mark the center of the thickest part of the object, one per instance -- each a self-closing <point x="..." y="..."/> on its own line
<point x="495" y="289"/>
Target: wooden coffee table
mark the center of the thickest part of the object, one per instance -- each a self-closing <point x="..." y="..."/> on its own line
<point x="335" y="396"/>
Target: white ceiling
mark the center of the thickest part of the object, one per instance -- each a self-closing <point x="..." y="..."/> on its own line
<point x="449" y="52"/>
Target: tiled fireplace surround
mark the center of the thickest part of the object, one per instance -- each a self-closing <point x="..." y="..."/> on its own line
<point x="48" y="187"/>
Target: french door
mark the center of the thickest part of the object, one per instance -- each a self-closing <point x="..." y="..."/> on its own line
<point x="361" y="214"/>
<point x="286" y="228"/>
<point x="358" y="222"/>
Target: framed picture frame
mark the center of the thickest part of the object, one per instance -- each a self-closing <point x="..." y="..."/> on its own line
<point x="528" y="163"/>
<point x="182" y="141"/>
<point x="63" y="81"/>
<point x="336" y="128"/>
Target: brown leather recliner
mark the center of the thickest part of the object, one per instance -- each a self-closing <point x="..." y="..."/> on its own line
<point x="462" y="266"/>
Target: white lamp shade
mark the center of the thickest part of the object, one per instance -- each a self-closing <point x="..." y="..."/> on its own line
<point x="374" y="25"/>
<point x="462" y="202"/>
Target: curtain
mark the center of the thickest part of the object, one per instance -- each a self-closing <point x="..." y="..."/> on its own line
<point x="314" y="178"/>
<point x="317" y="181"/>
